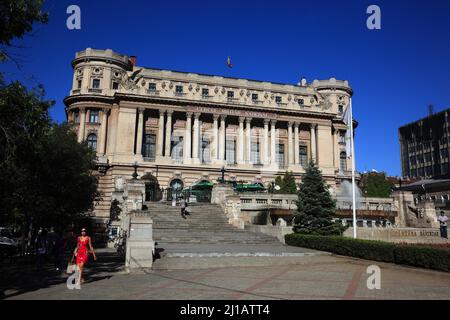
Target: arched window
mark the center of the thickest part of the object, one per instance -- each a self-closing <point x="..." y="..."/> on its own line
<point x="92" y="141"/>
<point x="343" y="161"/>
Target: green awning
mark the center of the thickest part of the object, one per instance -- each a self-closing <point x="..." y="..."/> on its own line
<point x="202" y="185"/>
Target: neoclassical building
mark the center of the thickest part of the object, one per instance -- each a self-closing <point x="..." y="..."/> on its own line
<point x="177" y="128"/>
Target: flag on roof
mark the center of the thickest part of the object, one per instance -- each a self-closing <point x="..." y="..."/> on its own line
<point x="229" y="62"/>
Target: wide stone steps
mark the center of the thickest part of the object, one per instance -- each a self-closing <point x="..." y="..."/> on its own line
<point x="206" y="224"/>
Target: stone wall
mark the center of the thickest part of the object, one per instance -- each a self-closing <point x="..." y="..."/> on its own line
<point x="398" y="235"/>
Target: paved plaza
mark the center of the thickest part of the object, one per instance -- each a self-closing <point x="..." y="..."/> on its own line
<point x="313" y="276"/>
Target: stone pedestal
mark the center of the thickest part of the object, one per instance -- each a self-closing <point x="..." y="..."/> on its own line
<point x="134" y="194"/>
<point x="430" y="214"/>
<point x="220" y="192"/>
<point x="140" y="244"/>
<point x="403" y="199"/>
<point x="233" y="211"/>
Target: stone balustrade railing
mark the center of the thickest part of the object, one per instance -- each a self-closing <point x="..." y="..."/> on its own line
<point x="260" y="201"/>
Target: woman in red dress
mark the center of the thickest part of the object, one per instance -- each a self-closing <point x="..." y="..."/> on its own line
<point x="82" y="252"/>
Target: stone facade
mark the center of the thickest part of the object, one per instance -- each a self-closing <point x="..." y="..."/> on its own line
<point x="180" y="126"/>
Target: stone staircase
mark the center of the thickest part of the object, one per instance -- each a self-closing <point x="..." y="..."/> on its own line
<point x="207" y="224"/>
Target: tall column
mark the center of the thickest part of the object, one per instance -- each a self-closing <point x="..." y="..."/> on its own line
<point x="159" y="150"/>
<point x="296" y="145"/>
<point x="273" y="154"/>
<point x="248" y="138"/>
<point x="196" y="138"/>
<point x="82" y="124"/>
<point x="215" y="144"/>
<point x="290" y="144"/>
<point x="103" y="124"/>
<point x="168" y="133"/>
<point x="140" y="131"/>
<point x="240" y="149"/>
<point x="265" y="147"/>
<point x="222" y="138"/>
<point x="313" y="143"/>
<point x="187" y="138"/>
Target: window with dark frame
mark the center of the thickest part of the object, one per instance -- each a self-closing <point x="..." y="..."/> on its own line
<point x="115" y="85"/>
<point x="303" y="152"/>
<point x="205" y="92"/>
<point x="93" y="116"/>
<point x="92" y="141"/>
<point x="152" y="86"/>
<point x="95" y="83"/>
<point x="149" y="146"/>
<point x="179" y="89"/>
<point x="343" y="161"/>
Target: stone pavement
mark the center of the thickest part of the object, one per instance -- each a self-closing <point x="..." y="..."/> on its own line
<point x="312" y="277"/>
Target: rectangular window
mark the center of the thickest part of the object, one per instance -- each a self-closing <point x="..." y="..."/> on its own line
<point x="230" y="151"/>
<point x="303" y="150"/>
<point x="254" y="97"/>
<point x="76" y="117"/>
<point x="278" y="99"/>
<point x="428" y="171"/>
<point x="115" y="85"/>
<point x="340" y="109"/>
<point x="413" y="173"/>
<point x="95" y="83"/>
<point x="444" y="153"/>
<point x="93" y="116"/>
<point x="342" y="137"/>
<point x="230" y="94"/>
<point x="420" y="172"/>
<point x="149" y="146"/>
<point x="254" y="154"/>
<point x="428" y="157"/>
<point x="79" y="84"/>
<point x="301" y="102"/>
<point x="205" y="151"/>
<point x="152" y="87"/>
<point x="280" y="155"/>
<point x="205" y="92"/>
<point x="444" y="168"/>
<point x="179" y="89"/>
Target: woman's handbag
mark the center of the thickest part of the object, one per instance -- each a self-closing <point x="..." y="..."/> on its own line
<point x="71" y="267"/>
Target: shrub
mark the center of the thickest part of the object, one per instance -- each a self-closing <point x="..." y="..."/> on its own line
<point x="417" y="256"/>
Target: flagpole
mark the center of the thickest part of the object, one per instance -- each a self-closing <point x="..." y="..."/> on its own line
<point x="353" y="169"/>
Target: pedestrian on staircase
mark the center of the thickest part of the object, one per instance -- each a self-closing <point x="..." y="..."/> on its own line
<point x="183" y="205"/>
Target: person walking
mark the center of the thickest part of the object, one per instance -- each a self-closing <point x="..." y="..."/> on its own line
<point x="84" y="245"/>
<point x="443" y="224"/>
<point x="41" y="247"/>
<point x="183" y="205"/>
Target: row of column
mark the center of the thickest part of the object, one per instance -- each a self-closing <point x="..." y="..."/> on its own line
<point x="219" y="139"/>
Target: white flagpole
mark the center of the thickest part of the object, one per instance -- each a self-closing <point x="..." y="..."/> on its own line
<point x="353" y="169"/>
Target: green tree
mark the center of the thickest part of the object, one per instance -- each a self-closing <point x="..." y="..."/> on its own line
<point x="46" y="175"/>
<point x="376" y="185"/>
<point x="288" y="185"/>
<point x="17" y="18"/>
<point x="315" y="206"/>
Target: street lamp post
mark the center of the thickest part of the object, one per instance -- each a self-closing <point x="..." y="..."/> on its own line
<point x="135" y="166"/>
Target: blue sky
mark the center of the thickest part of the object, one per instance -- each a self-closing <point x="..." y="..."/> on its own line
<point x="395" y="72"/>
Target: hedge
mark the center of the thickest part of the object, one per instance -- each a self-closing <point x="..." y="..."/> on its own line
<point x="416" y="256"/>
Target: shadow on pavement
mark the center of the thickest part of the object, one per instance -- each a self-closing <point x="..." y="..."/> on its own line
<point x="23" y="276"/>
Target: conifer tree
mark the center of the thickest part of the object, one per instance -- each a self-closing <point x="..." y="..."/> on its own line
<point x="315" y="206"/>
